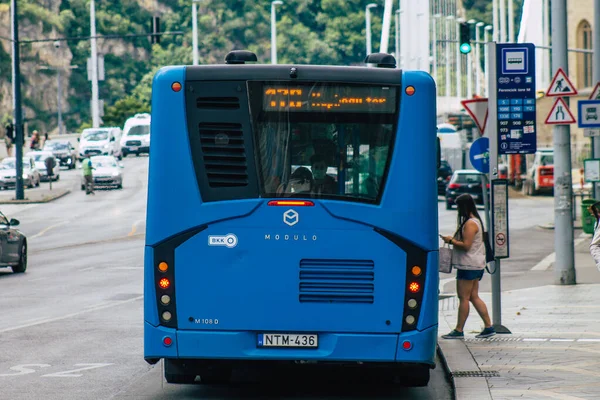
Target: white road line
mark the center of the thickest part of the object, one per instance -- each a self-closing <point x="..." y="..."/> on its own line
<point x="562" y="340"/>
<point x="588" y="340"/>
<point x="75" y="314"/>
<point x="534" y="340"/>
<point x="43" y="231"/>
<point x="547" y="262"/>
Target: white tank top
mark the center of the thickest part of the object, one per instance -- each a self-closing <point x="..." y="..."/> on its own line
<point x="474" y="259"/>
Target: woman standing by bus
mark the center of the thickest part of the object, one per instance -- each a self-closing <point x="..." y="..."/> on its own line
<point x="468" y="257"/>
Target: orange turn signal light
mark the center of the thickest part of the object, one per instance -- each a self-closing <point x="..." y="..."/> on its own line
<point x="410" y="90"/>
<point x="163" y="267"/>
<point x="416" y="270"/>
<point x="176" y="86"/>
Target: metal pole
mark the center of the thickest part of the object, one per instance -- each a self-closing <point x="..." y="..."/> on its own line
<point x="385" y="29"/>
<point x="94" y="61"/>
<point x="511" y="22"/>
<point x="495" y="25"/>
<point x="458" y="60"/>
<point x="434" y="47"/>
<point x="478" y="59"/>
<point x="564" y="268"/>
<point x="470" y="65"/>
<point x="448" y="63"/>
<point x="368" y="25"/>
<point x="486" y="64"/>
<point x="502" y="12"/>
<point x="546" y="42"/>
<point x="194" y="32"/>
<point x="274" y="31"/>
<point x="492" y="132"/>
<point x="397" y="34"/>
<point x="18" y="112"/>
<point x="58" y="97"/>
<point x="596" y="76"/>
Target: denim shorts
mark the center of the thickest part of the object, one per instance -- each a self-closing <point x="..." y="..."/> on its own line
<point x="469" y="275"/>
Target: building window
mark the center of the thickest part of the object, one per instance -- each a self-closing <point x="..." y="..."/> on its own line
<point x="584" y="60"/>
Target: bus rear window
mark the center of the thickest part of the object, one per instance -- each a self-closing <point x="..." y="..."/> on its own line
<point x="323" y="140"/>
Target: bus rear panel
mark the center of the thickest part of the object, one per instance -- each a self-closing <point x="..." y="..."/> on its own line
<point x="292" y="215"/>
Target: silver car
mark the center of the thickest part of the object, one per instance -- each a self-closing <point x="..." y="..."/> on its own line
<point x="8" y="173"/>
<point x="39" y="158"/>
<point x="106" y="172"/>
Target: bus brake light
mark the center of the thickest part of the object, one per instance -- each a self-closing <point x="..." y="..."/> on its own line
<point x="407" y="345"/>
<point x="288" y="203"/>
<point x="176" y="86"/>
<point x="164" y="283"/>
<point x="414" y="287"/>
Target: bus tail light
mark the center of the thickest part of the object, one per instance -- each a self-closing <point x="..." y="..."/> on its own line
<point x="291" y="203"/>
<point x="414" y="287"/>
<point x="164" y="283"/>
<point x="167" y="341"/>
<point x="407" y="345"/>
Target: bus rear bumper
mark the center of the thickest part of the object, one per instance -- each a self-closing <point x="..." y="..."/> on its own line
<point x="333" y="347"/>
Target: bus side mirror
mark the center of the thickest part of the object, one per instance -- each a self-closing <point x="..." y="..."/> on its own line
<point x="439" y="153"/>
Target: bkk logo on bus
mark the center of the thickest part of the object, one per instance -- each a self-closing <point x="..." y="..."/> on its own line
<point x="229" y="240"/>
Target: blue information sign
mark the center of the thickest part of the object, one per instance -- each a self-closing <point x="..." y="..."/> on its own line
<point x="480" y="155"/>
<point x="589" y="113"/>
<point x="516" y="98"/>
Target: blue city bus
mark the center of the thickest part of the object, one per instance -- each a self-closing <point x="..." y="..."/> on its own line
<point x="292" y="219"/>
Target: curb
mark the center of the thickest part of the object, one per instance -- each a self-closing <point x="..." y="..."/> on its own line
<point x="551" y="226"/>
<point x="43" y="200"/>
<point x="447" y="370"/>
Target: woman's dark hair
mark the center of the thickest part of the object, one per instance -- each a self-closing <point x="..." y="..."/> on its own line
<point x="466" y="207"/>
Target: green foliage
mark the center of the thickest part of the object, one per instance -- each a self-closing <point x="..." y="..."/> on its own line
<point x="117" y="114"/>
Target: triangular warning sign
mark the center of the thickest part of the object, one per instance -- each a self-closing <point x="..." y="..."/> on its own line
<point x="561" y="85"/>
<point x="596" y="92"/>
<point x="478" y="110"/>
<point x="560" y="114"/>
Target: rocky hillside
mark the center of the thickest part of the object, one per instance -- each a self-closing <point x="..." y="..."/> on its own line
<point x="309" y="31"/>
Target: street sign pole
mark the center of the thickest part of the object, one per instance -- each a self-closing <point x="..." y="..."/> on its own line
<point x="596" y="76"/>
<point x="564" y="266"/>
<point x="492" y="130"/>
<point x="18" y="116"/>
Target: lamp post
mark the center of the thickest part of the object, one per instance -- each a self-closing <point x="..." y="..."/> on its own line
<point x="195" y="31"/>
<point x="274" y="31"/>
<point x="478" y="59"/>
<point x="471" y="22"/>
<point x="58" y="92"/>
<point x="94" y="62"/>
<point x="458" y="59"/>
<point x="397" y="34"/>
<point x="486" y="39"/>
<point x="368" y="25"/>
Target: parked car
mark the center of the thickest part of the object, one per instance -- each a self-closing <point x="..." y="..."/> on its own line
<point x="8" y="173"/>
<point x="465" y="181"/>
<point x="13" y="245"/>
<point x="106" y="172"/>
<point x="39" y="158"/>
<point x="64" y="152"/>
<point x="443" y="177"/>
<point x="100" y="142"/>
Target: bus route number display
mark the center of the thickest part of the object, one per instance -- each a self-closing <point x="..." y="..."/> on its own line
<point x="373" y="99"/>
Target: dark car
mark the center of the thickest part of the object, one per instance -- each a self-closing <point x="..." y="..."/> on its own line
<point x="13" y="245"/>
<point x="465" y="181"/>
<point x="63" y="151"/>
<point x="443" y="176"/>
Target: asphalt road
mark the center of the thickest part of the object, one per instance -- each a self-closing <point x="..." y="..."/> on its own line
<point x="72" y="326"/>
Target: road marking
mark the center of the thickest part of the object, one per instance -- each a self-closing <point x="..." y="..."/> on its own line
<point x="134" y="227"/>
<point x="69" y="374"/>
<point x="75" y="314"/>
<point x="43" y="231"/>
<point x="534" y="340"/>
<point x="588" y="340"/>
<point x="547" y="262"/>
<point x="562" y="340"/>
<point x="546" y="393"/>
<point x="497" y="339"/>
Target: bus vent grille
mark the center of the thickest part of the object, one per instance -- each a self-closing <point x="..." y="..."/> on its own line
<point x="229" y="103"/>
<point x="224" y="154"/>
<point x="337" y="281"/>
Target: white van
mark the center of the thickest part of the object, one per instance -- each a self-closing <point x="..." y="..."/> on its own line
<point x="136" y="135"/>
<point x="102" y="141"/>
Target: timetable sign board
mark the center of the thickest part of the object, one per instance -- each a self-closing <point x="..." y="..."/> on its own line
<point x="516" y="98"/>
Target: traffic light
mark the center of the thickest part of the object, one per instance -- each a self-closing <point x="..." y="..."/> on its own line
<point x="155" y="29"/>
<point x="465" y="38"/>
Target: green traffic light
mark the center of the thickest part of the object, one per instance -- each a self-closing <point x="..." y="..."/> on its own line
<point x="465" y="48"/>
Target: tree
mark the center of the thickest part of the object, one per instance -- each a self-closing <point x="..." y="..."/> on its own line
<point x="117" y="114"/>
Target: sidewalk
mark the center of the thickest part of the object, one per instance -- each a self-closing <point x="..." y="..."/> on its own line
<point x="37" y="195"/>
<point x="552" y="353"/>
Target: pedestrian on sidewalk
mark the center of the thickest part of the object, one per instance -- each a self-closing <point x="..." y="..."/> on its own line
<point x="468" y="257"/>
<point x="595" y="245"/>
